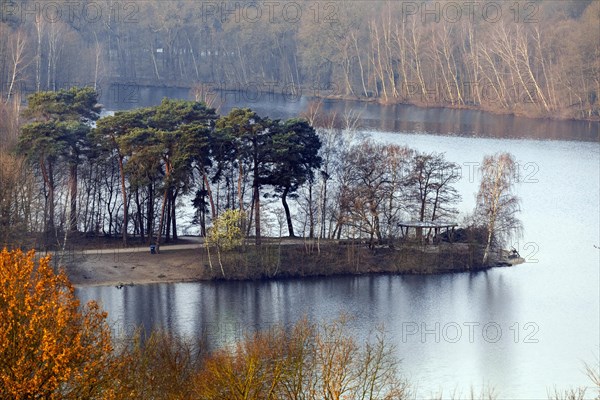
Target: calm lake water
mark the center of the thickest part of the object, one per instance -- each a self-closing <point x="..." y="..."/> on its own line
<point x="522" y="330"/>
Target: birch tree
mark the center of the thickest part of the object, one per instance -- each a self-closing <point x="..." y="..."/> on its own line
<point x="18" y="44"/>
<point x="497" y="205"/>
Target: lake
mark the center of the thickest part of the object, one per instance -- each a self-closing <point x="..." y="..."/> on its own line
<point x="521" y="330"/>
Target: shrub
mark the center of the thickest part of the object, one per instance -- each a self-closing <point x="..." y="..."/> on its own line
<point x="305" y="362"/>
<point x="49" y="348"/>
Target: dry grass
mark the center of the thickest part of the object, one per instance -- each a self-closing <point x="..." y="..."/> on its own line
<point x="300" y="260"/>
<point x="157" y="366"/>
<point x="580" y="393"/>
<point x="307" y="361"/>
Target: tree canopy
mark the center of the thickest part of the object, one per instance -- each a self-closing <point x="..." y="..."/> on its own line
<point x="142" y="162"/>
<point x="58" y="129"/>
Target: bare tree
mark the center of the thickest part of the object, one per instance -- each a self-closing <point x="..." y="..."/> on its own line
<point x="365" y="187"/>
<point x="17" y="183"/>
<point x="497" y="206"/>
<point x="430" y="191"/>
<point x="18" y="43"/>
<point x="40" y="27"/>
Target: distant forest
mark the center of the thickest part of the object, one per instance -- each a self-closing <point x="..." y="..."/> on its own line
<point x="536" y="58"/>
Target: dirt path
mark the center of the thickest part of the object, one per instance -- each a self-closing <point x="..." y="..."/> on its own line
<point x="198" y="243"/>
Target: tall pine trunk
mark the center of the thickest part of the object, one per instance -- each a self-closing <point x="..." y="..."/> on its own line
<point x="150" y="213"/>
<point x="213" y="212"/>
<point x="173" y="215"/>
<point x="168" y="217"/>
<point x="73" y="191"/>
<point x="288" y="216"/>
<point x="162" y="220"/>
<point x="256" y="195"/>
<point x="125" y="205"/>
<point x="140" y="217"/>
<point x="48" y="175"/>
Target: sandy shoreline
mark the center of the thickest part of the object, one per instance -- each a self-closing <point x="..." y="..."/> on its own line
<point x="177" y="263"/>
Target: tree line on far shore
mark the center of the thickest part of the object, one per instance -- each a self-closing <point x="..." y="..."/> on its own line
<point x="66" y="170"/>
<point x="537" y="58"/>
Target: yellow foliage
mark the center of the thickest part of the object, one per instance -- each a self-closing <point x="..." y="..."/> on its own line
<point x="49" y="347"/>
<point x="226" y="232"/>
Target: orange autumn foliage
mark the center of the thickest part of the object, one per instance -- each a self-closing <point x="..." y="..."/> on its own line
<point x="49" y="346"/>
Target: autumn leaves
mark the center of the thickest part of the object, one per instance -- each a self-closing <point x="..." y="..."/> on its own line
<point x="49" y="347"/>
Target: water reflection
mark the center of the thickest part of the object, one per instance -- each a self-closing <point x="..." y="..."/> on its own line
<point x="222" y="313"/>
<point x="373" y="116"/>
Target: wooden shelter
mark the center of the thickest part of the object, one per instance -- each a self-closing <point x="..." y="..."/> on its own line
<point x="431" y="226"/>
